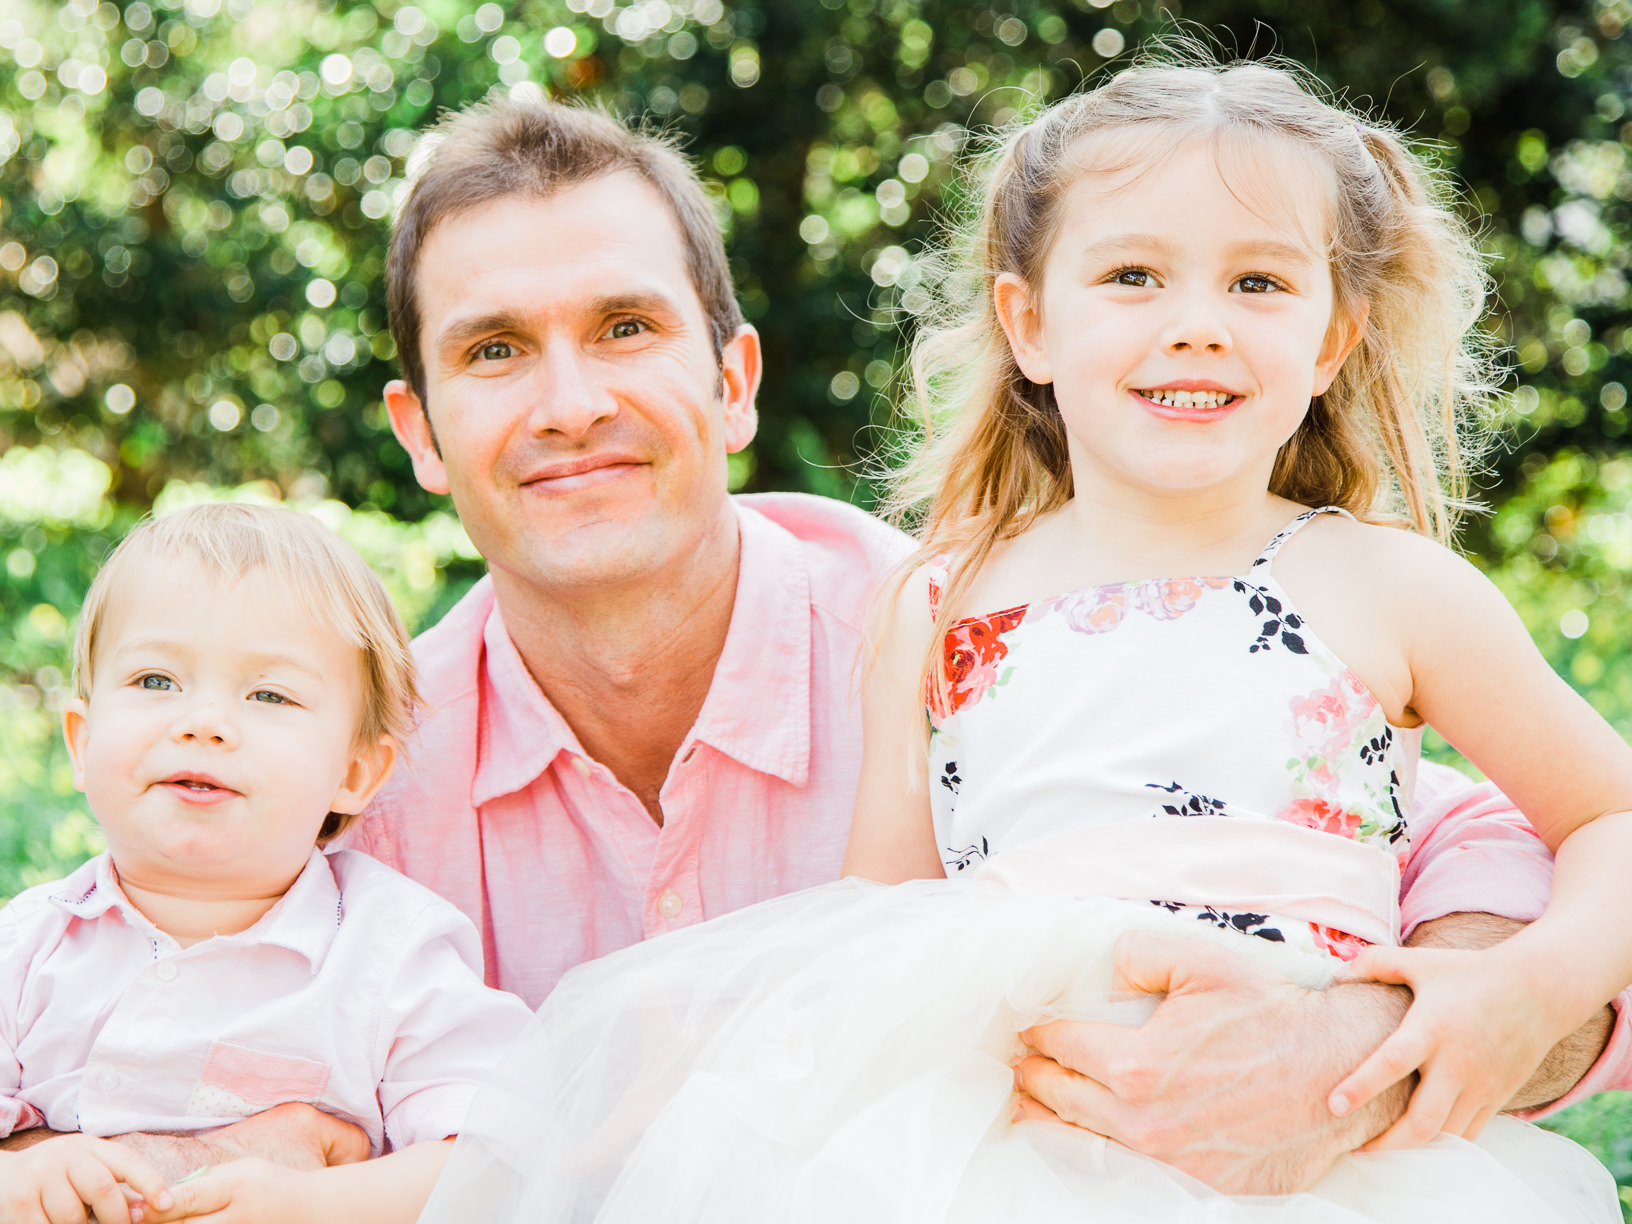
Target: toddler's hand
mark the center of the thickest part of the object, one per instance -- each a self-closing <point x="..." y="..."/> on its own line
<point x="56" y="1181"/>
<point x="247" y="1191"/>
<point x="1476" y="1030"/>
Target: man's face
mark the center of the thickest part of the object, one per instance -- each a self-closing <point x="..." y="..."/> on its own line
<point x="575" y="410"/>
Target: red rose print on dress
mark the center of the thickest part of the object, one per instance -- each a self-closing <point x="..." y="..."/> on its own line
<point x="1337" y="943"/>
<point x="1321" y="815"/>
<point x="971" y="652"/>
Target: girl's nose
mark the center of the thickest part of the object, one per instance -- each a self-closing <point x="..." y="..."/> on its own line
<point x="1197" y="326"/>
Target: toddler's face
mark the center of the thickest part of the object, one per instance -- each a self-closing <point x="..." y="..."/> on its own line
<point x="219" y="732"/>
<point x="1184" y="328"/>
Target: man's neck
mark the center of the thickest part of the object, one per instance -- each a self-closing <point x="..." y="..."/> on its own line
<point x="629" y="668"/>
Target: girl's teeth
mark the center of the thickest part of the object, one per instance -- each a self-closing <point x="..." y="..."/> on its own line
<point x="1189" y="399"/>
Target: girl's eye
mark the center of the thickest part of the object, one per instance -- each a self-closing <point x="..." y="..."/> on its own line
<point x="268" y="696"/>
<point x="1133" y="278"/>
<point x="157" y="683"/>
<point x="495" y="350"/>
<point x="1257" y="284"/>
<point x="625" y="329"/>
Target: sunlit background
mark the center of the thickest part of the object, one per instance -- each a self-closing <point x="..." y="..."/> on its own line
<point x="194" y="200"/>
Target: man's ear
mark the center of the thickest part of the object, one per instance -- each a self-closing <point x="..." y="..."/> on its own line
<point x="76" y="729"/>
<point x="413" y="429"/>
<point x="740" y="369"/>
<point x="369" y="768"/>
<point x="1017" y="310"/>
<point x="1342" y="335"/>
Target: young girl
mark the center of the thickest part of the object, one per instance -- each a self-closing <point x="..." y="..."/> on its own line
<point x="243" y="684"/>
<point x="1178" y="652"/>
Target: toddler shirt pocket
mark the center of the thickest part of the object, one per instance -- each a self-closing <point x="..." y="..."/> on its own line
<point x="237" y="1082"/>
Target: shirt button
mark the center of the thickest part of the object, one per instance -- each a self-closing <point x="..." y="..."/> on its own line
<point x="670" y="904"/>
<point x="167" y="971"/>
<point x="581" y="765"/>
<point x="107" y="1081"/>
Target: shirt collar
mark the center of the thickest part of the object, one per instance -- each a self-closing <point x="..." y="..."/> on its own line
<point x="304" y="920"/>
<point x="758" y="706"/>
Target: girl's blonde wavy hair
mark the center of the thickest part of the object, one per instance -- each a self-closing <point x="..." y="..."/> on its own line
<point x="1390" y="441"/>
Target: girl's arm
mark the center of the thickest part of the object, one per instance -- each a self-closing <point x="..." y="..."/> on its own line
<point x="1482" y="1021"/>
<point x="891" y="838"/>
<point x="390" y="1190"/>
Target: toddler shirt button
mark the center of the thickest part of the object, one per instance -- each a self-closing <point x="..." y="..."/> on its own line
<point x="107" y="1081"/>
<point x="166" y="971"/>
<point x="670" y="904"/>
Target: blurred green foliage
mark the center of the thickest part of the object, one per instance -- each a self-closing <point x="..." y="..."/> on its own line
<point x="194" y="197"/>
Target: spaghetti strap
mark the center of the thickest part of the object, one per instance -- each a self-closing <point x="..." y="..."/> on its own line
<point x="1292" y="529"/>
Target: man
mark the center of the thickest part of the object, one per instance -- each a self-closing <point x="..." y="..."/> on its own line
<point x="646" y="716"/>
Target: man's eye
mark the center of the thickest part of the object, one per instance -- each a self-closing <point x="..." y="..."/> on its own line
<point x="1257" y="284"/>
<point x="159" y="683"/>
<point x="1133" y="278"/>
<point x="495" y="350"/>
<point x="268" y="696"/>
<point x="625" y="329"/>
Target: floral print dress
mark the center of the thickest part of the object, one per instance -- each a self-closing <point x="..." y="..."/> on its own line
<point x="1183" y="699"/>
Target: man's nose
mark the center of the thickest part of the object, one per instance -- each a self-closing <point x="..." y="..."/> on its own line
<point x="571" y="395"/>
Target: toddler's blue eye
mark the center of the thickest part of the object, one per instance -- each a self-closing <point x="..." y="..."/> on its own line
<point x="268" y="696"/>
<point x="157" y="682"/>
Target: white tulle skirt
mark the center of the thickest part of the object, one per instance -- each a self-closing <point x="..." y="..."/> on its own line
<point x="843" y="1054"/>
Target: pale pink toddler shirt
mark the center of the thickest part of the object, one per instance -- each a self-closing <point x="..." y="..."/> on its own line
<point x="359" y="992"/>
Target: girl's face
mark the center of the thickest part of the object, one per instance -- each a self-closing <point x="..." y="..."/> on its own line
<point x="220" y="731"/>
<point x="1184" y="330"/>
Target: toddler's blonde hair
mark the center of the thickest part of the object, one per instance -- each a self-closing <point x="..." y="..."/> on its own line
<point x="1390" y="440"/>
<point x="332" y="583"/>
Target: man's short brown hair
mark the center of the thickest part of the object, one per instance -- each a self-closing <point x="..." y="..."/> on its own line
<point x="508" y="147"/>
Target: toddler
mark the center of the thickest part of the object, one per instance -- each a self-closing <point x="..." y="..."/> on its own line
<point x="244" y="684"/>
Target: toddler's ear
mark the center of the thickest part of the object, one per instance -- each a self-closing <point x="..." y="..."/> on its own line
<point x="1017" y="310"/>
<point x="76" y="728"/>
<point x="1347" y="329"/>
<point x="370" y="766"/>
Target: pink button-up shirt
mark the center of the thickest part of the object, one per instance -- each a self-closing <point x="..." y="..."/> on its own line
<point x="358" y="992"/>
<point x="498" y="808"/>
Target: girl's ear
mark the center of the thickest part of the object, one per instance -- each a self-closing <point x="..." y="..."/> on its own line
<point x="1345" y="331"/>
<point x="1018" y="311"/>
<point x="370" y="765"/>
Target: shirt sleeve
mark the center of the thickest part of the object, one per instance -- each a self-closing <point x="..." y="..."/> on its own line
<point x="16" y="1114"/>
<point x="1472" y="852"/>
<point x="445" y="1030"/>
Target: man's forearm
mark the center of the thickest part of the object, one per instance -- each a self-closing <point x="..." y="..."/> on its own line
<point x="1571" y="1058"/>
<point x="18" y="1140"/>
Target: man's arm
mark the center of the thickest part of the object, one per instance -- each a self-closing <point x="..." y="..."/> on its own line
<point x="1227" y="1080"/>
<point x="293" y="1135"/>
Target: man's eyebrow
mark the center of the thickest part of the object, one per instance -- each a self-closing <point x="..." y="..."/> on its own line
<point x="459" y="330"/>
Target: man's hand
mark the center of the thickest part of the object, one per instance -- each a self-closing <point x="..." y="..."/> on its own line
<point x="293" y="1135"/>
<point x="1227" y="1080"/>
<point x="62" y="1179"/>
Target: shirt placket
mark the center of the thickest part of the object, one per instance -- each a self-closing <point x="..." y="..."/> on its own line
<point x="674" y="896"/>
